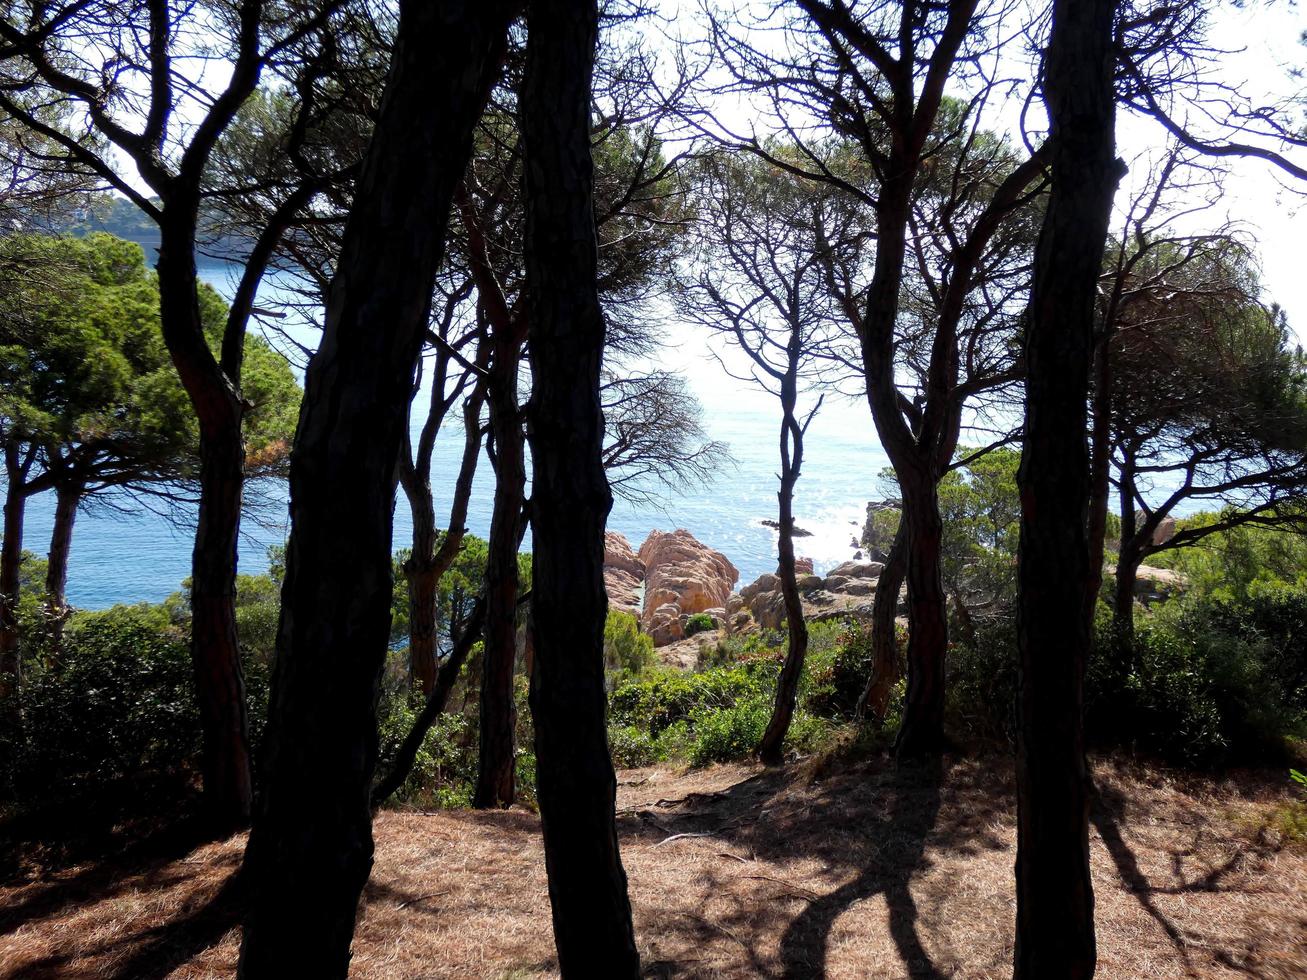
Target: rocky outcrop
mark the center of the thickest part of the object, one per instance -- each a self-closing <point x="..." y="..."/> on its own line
<point x="1155" y="584"/>
<point x="1164" y="531"/>
<point x="878" y="530"/>
<point x="623" y="574"/>
<point x="682" y="577"/>
<point x="848" y="590"/>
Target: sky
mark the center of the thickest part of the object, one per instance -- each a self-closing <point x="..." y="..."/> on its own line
<point x="1263" y="41"/>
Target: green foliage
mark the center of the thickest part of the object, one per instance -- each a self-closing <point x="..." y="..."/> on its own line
<point x="632" y="747"/>
<point x="444" y="771"/>
<point x="699" y="623"/>
<point x="838" y="666"/>
<point x="84" y="372"/>
<point x="627" y="651"/>
<point x="116" y="710"/>
<point x="728" y="733"/>
<point x="720" y="713"/>
<point x="982" y="681"/>
<point x="981" y="513"/>
<point x="459" y="588"/>
<point x="1205" y="682"/>
<point x="1234" y="563"/>
<point x="665" y="696"/>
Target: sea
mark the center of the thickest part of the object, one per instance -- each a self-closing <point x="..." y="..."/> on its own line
<point x="123" y="552"/>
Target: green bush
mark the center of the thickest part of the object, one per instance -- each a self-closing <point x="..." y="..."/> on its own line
<point x="839" y="664"/>
<point x="666" y="696"/>
<point x="627" y="651"/>
<point x="722" y="734"/>
<point x="117" y="709"/>
<point x="699" y="623"/>
<point x="444" y="771"/>
<point x="632" y="747"/>
<point x="982" y="681"/>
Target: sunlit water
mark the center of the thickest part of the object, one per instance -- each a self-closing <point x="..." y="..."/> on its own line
<point x="143" y="557"/>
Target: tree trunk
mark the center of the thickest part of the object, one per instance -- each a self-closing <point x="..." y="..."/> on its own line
<point x="11" y="560"/>
<point x="428" y="564"/>
<point x="67" y="498"/>
<point x="884" y="642"/>
<point x="771" y="750"/>
<point x="1100" y="478"/>
<point x="1055" y="901"/>
<point x="922" y="731"/>
<point x="215" y="652"/>
<point x="219" y="680"/>
<point x="495" y="774"/>
<point x="310" y="851"/>
<point x="570" y="500"/>
<point x="1127" y="562"/>
<point x="432" y="709"/>
<point x="423" y="589"/>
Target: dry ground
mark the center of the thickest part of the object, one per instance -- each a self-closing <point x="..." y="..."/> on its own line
<point x="738" y="872"/>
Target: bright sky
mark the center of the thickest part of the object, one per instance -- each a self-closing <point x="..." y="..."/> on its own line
<point x="1264" y="37"/>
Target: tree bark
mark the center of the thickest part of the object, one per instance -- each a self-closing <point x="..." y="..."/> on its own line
<point x="570" y="499"/>
<point x="1100" y="479"/>
<point x="310" y="851"/>
<point x="68" y="496"/>
<point x="1128" y="559"/>
<point x="215" y="653"/>
<point x="922" y="731"/>
<point x="496" y="785"/>
<point x="1055" y="902"/>
<point x="884" y="642"/>
<point x="428" y="564"/>
<point x="423" y="588"/>
<point x="11" y="560"/>
<point x="771" y="750"/>
<point x="434" y="707"/>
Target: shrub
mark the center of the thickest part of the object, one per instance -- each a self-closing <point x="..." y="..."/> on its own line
<point x="444" y="771"/>
<point x="666" y="696"/>
<point x="699" y="623"/>
<point x="627" y="651"/>
<point x="117" y="709"/>
<point x="839" y="664"/>
<point x="982" y="681"/>
<point x="722" y="734"/>
<point x="632" y="747"/>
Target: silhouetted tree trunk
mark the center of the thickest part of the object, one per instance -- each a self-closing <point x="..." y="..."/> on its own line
<point x="922" y="731"/>
<point x="428" y="563"/>
<point x="1100" y="479"/>
<point x="1128" y="557"/>
<point x="423" y="592"/>
<point x="495" y="773"/>
<point x="771" y="750"/>
<point x="310" y="851"/>
<point x="570" y="499"/>
<point x="1055" y="902"/>
<point x="437" y="699"/>
<point x="68" y="496"/>
<point x="215" y="653"/>
<point x="17" y="466"/>
<point x="884" y="642"/>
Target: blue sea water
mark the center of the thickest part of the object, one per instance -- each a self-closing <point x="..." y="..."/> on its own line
<point x="142" y="556"/>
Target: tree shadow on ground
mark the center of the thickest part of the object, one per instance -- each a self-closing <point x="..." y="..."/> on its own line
<point x="157" y="950"/>
<point x="870" y="824"/>
<point x="83" y="851"/>
<point x="902" y="831"/>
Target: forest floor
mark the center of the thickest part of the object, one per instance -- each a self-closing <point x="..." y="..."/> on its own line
<point x="829" y="868"/>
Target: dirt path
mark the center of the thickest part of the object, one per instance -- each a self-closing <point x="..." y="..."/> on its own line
<point x="738" y="872"/>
